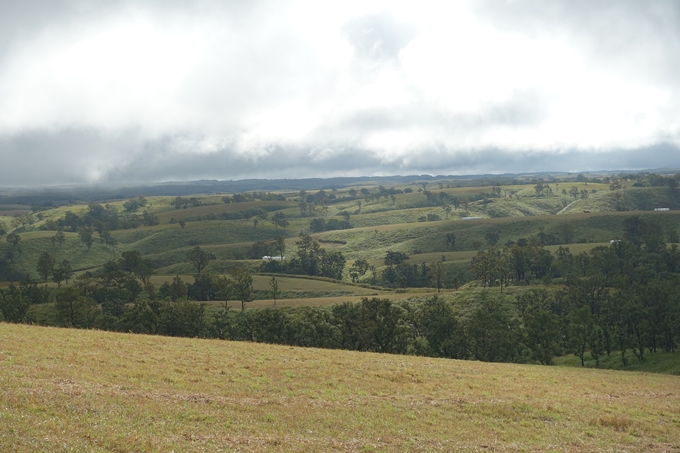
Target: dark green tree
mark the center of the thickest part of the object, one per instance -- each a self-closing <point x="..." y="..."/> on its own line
<point x="437" y="274"/>
<point x="199" y="258"/>
<point x="279" y="220"/>
<point x="358" y="269"/>
<point x="59" y="237"/>
<point x="441" y="329"/>
<point x="332" y="264"/>
<point x="581" y="331"/>
<point x="280" y="246"/>
<point x="176" y="290"/>
<point x="274" y="289"/>
<point x="492" y="238"/>
<point x="13" y="239"/>
<point x="242" y="285"/>
<point x="492" y="335"/>
<point x="74" y="310"/>
<point x="62" y="271"/>
<point x="308" y="252"/>
<point x="382" y="327"/>
<point x="86" y="236"/>
<point x="13" y="304"/>
<point x="393" y="258"/>
<point x="45" y="265"/>
<point x="450" y="239"/>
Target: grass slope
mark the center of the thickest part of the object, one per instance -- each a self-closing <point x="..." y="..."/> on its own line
<point x="75" y="390"/>
<point x="378" y="226"/>
<point x="654" y="362"/>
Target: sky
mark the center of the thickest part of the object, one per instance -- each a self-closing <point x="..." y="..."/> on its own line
<point x="114" y="91"/>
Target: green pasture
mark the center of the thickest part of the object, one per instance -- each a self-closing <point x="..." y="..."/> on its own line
<point x="653" y="362"/>
<point x="378" y="226"/>
<point x="221" y="208"/>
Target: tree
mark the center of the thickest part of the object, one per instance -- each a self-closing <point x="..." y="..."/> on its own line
<point x="280" y="245"/>
<point x="45" y="265"/>
<point x="317" y="225"/>
<point x="447" y="210"/>
<point x="539" y="188"/>
<point x="332" y="264"/>
<point x="437" y="274"/>
<point x="144" y="272"/>
<point x="86" y="236"/>
<point x="440" y="326"/>
<point x="358" y="269"/>
<point x="450" y="239"/>
<point x="129" y="260"/>
<point x="308" y="252"/>
<point x="303" y="205"/>
<point x="574" y="192"/>
<point x="503" y="269"/>
<point x="199" y="258"/>
<point x="107" y="238"/>
<point x="490" y="331"/>
<point x="242" y="285"/>
<point x="381" y="326"/>
<point x="176" y="290"/>
<point x="223" y="285"/>
<point x="74" y="310"/>
<point x="62" y="271"/>
<point x="132" y="261"/>
<point x="274" y="289"/>
<point x="13" y="304"/>
<point x="492" y="237"/>
<point x="541" y="328"/>
<point x="279" y="220"/>
<point x="60" y="237"/>
<point x="483" y="266"/>
<point x="567" y="232"/>
<point x="581" y="330"/>
<point x="394" y="258"/>
<point x="132" y="205"/>
<point x="13" y="239"/>
<point x="179" y="202"/>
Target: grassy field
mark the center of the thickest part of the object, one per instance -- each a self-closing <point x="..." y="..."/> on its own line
<point x="654" y="362"/>
<point x="377" y="226"/>
<point x="75" y="390"/>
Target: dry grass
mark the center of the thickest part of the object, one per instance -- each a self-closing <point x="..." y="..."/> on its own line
<point x="71" y="390"/>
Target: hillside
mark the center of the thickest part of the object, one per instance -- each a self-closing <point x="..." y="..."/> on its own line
<point x="416" y="218"/>
<point x="77" y="390"/>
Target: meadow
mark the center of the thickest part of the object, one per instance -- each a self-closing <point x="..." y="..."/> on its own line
<point x="79" y="390"/>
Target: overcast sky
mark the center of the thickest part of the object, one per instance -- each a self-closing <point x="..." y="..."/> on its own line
<point x="113" y="91"/>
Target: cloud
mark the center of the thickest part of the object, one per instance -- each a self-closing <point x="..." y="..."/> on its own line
<point x="146" y="91"/>
<point x="88" y="156"/>
<point x="378" y="36"/>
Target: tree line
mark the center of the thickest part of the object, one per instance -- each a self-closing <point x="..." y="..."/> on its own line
<point x="532" y="326"/>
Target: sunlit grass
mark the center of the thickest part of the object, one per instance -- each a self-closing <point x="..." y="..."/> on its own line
<point x="76" y="390"/>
